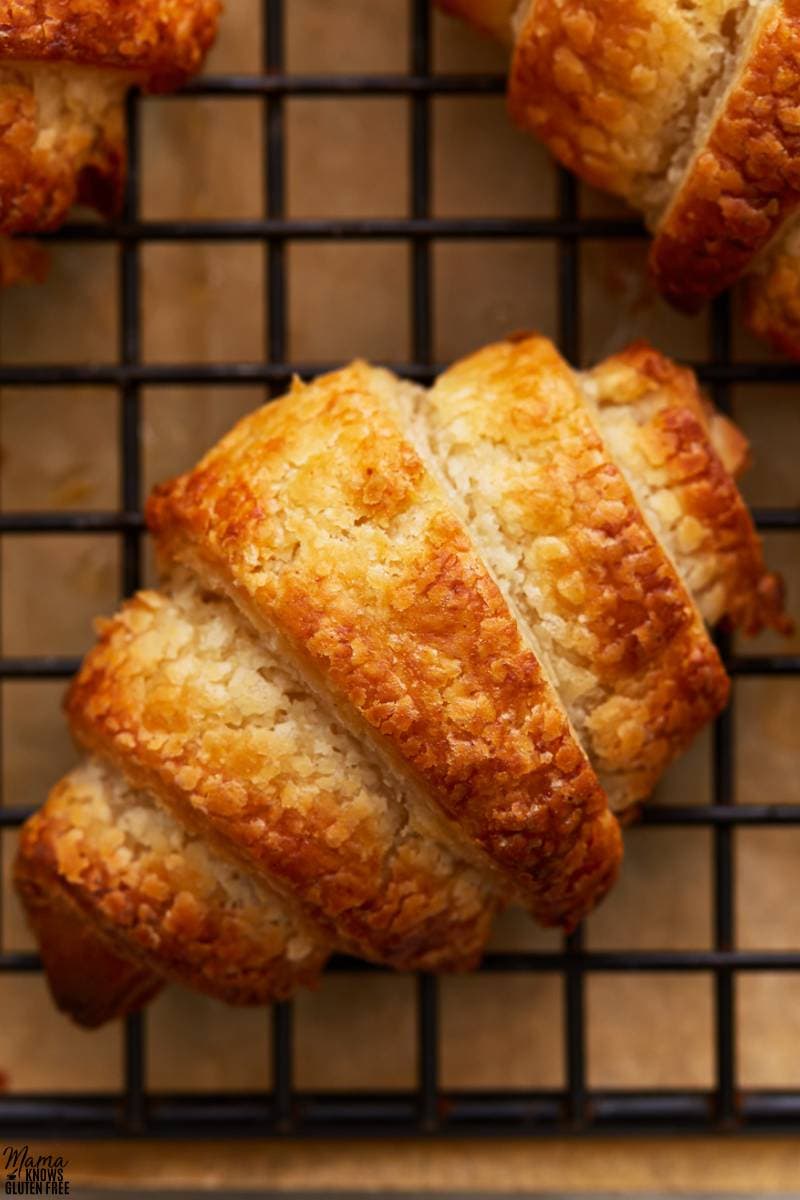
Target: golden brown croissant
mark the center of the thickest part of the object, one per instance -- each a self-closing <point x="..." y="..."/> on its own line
<point x="691" y="113"/>
<point x="67" y="66"/>
<point x="409" y="647"/>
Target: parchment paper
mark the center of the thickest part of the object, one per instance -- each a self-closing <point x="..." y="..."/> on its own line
<point x="348" y="157"/>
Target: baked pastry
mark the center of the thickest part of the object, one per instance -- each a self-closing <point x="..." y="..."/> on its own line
<point x="682" y="458"/>
<point x="66" y="68"/>
<point x="689" y="113"/>
<point x="612" y="621"/>
<point x="408" y="647"/>
<point x="103" y="864"/>
<point x="191" y="704"/>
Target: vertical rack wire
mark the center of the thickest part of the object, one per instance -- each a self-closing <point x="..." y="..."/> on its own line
<point x="428" y="1107"/>
<point x="723" y="795"/>
<point x="427" y="997"/>
<point x="569" y="341"/>
<point x="276" y="346"/>
<point x="130" y="430"/>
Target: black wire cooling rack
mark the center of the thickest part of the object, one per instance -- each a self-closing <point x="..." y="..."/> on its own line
<point x="427" y="1109"/>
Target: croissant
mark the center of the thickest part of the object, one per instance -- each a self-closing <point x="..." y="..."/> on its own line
<point x="67" y="67"/>
<point x="690" y="113"/>
<point x="413" y="655"/>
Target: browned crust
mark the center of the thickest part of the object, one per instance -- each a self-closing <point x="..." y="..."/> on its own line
<point x="679" y="439"/>
<point x="41" y="179"/>
<point x="490" y="17"/>
<point x="147" y="925"/>
<point x="566" y="98"/>
<point x="400" y="901"/>
<point x="587" y="77"/>
<point x="66" y="67"/>
<point x="773" y="301"/>
<point x="89" y="979"/>
<point x="286" y="514"/>
<point x="625" y="618"/>
<point x="164" y="40"/>
<point x="746" y="180"/>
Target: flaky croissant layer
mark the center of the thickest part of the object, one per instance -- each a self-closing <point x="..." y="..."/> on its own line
<point x="689" y="112"/>
<point x="412" y="652"/>
<point x="67" y="66"/>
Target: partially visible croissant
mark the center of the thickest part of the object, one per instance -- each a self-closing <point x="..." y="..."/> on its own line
<point x="66" y="68"/>
<point x="408" y="647"/>
<point x="691" y="113"/>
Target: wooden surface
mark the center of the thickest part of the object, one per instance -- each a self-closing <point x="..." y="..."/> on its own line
<point x="205" y="301"/>
<point x="701" y="1167"/>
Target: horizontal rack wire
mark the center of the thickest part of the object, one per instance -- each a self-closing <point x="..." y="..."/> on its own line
<point x="429" y="1109"/>
<point x="281" y="373"/>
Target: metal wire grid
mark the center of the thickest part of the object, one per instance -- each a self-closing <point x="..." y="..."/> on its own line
<point x="427" y="1109"/>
